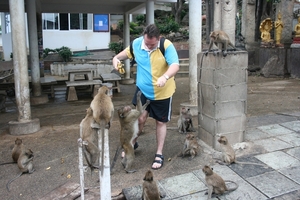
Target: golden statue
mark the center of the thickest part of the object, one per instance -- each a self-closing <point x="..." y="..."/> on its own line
<point x="265" y="28"/>
<point x="278" y="29"/>
<point x="297" y="28"/>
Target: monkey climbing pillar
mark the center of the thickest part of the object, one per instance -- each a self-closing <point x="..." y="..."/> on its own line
<point x="104" y="171"/>
<point x="222" y="99"/>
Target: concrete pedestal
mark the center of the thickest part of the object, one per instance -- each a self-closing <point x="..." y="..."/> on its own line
<point x="222" y="100"/>
<point x="36" y="100"/>
<point x="127" y="81"/>
<point x="22" y="128"/>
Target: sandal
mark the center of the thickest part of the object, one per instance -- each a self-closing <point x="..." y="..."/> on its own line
<point x="135" y="146"/>
<point x="161" y="162"/>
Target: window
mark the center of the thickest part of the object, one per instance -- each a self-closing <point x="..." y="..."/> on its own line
<point x="7" y="26"/>
<point x="67" y="21"/>
<point x="50" y="21"/>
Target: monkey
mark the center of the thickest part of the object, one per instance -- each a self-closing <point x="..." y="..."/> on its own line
<point x="16" y="151"/>
<point x="25" y="164"/>
<point x="128" y="119"/>
<point x="87" y="133"/>
<point x="215" y="183"/>
<point x="221" y="40"/>
<point x="228" y="153"/>
<point x="191" y="146"/>
<point x="102" y="108"/>
<point x="185" y="121"/>
<point x="150" y="189"/>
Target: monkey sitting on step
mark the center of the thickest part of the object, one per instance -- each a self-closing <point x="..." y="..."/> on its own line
<point x="185" y="121"/>
<point x="215" y="183"/>
<point x="191" y="146"/>
<point x="221" y="40"/>
<point x="128" y="118"/>
<point x="24" y="163"/>
<point x="228" y="153"/>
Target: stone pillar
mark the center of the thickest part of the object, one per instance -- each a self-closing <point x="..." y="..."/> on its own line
<point x="195" y="29"/>
<point x="126" y="43"/>
<point x="222" y="89"/>
<point x="37" y="97"/>
<point x="24" y="125"/>
<point x="248" y="23"/>
<point x="286" y="8"/>
<point x="149" y="12"/>
<point x="228" y="18"/>
<point x="217" y="14"/>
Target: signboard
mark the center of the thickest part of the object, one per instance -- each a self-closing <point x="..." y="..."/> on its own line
<point x="101" y="23"/>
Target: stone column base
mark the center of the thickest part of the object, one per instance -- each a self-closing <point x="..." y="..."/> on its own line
<point x="23" y="128"/>
<point x="127" y="81"/>
<point x="36" y="100"/>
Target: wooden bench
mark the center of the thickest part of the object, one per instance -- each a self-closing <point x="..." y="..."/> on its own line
<point x="111" y="78"/>
<point x="71" y="94"/>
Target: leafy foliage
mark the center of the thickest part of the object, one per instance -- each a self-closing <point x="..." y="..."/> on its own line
<point x="117" y="47"/>
<point x="64" y="52"/>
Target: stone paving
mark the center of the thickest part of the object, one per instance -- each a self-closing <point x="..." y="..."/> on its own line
<point x="279" y="179"/>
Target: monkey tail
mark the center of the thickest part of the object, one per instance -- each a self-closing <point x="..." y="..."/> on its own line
<point x="9" y="182"/>
<point x="234" y="188"/>
<point x="7" y="163"/>
<point x="115" y="158"/>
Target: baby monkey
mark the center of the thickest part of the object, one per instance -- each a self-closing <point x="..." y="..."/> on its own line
<point x="221" y="40"/>
<point x="215" y="183"/>
<point x="191" y="146"/>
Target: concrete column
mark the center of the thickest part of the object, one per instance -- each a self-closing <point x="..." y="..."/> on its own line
<point x="286" y="8"/>
<point x="248" y="24"/>
<point x="195" y="29"/>
<point x="228" y="18"/>
<point x="149" y="12"/>
<point x="217" y="14"/>
<point x="222" y="97"/>
<point x="37" y="97"/>
<point x="24" y="125"/>
<point x="126" y="43"/>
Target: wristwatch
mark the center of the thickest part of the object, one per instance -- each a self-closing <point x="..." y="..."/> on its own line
<point x="166" y="76"/>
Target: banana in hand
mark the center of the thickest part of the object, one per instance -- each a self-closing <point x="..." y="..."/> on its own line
<point x="121" y="68"/>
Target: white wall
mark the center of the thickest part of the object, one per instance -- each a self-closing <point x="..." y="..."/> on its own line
<point x="77" y="40"/>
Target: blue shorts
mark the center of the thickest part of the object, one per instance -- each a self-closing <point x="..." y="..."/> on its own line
<point x="158" y="109"/>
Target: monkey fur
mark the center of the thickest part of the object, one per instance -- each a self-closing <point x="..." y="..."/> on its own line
<point x="150" y="189"/>
<point x="24" y="163"/>
<point x="191" y="146"/>
<point x="185" y="121"/>
<point x="128" y="119"/>
<point x="102" y="108"/>
<point x="88" y="135"/>
<point x="215" y="183"/>
<point x="228" y="153"/>
<point x="221" y="40"/>
<point x="16" y="151"/>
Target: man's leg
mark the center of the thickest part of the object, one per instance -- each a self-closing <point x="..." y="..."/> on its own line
<point x="161" y="132"/>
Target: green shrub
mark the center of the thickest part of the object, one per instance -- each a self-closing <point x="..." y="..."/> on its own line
<point x="65" y="53"/>
<point x="140" y="19"/>
<point x="167" y="26"/>
<point x="117" y="47"/>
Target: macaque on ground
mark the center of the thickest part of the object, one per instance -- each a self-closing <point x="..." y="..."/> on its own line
<point x="215" y="183"/>
<point x="185" y="121"/>
<point x="25" y="164"/>
<point x="16" y="151"/>
<point x="191" y="146"/>
<point x="150" y="189"/>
